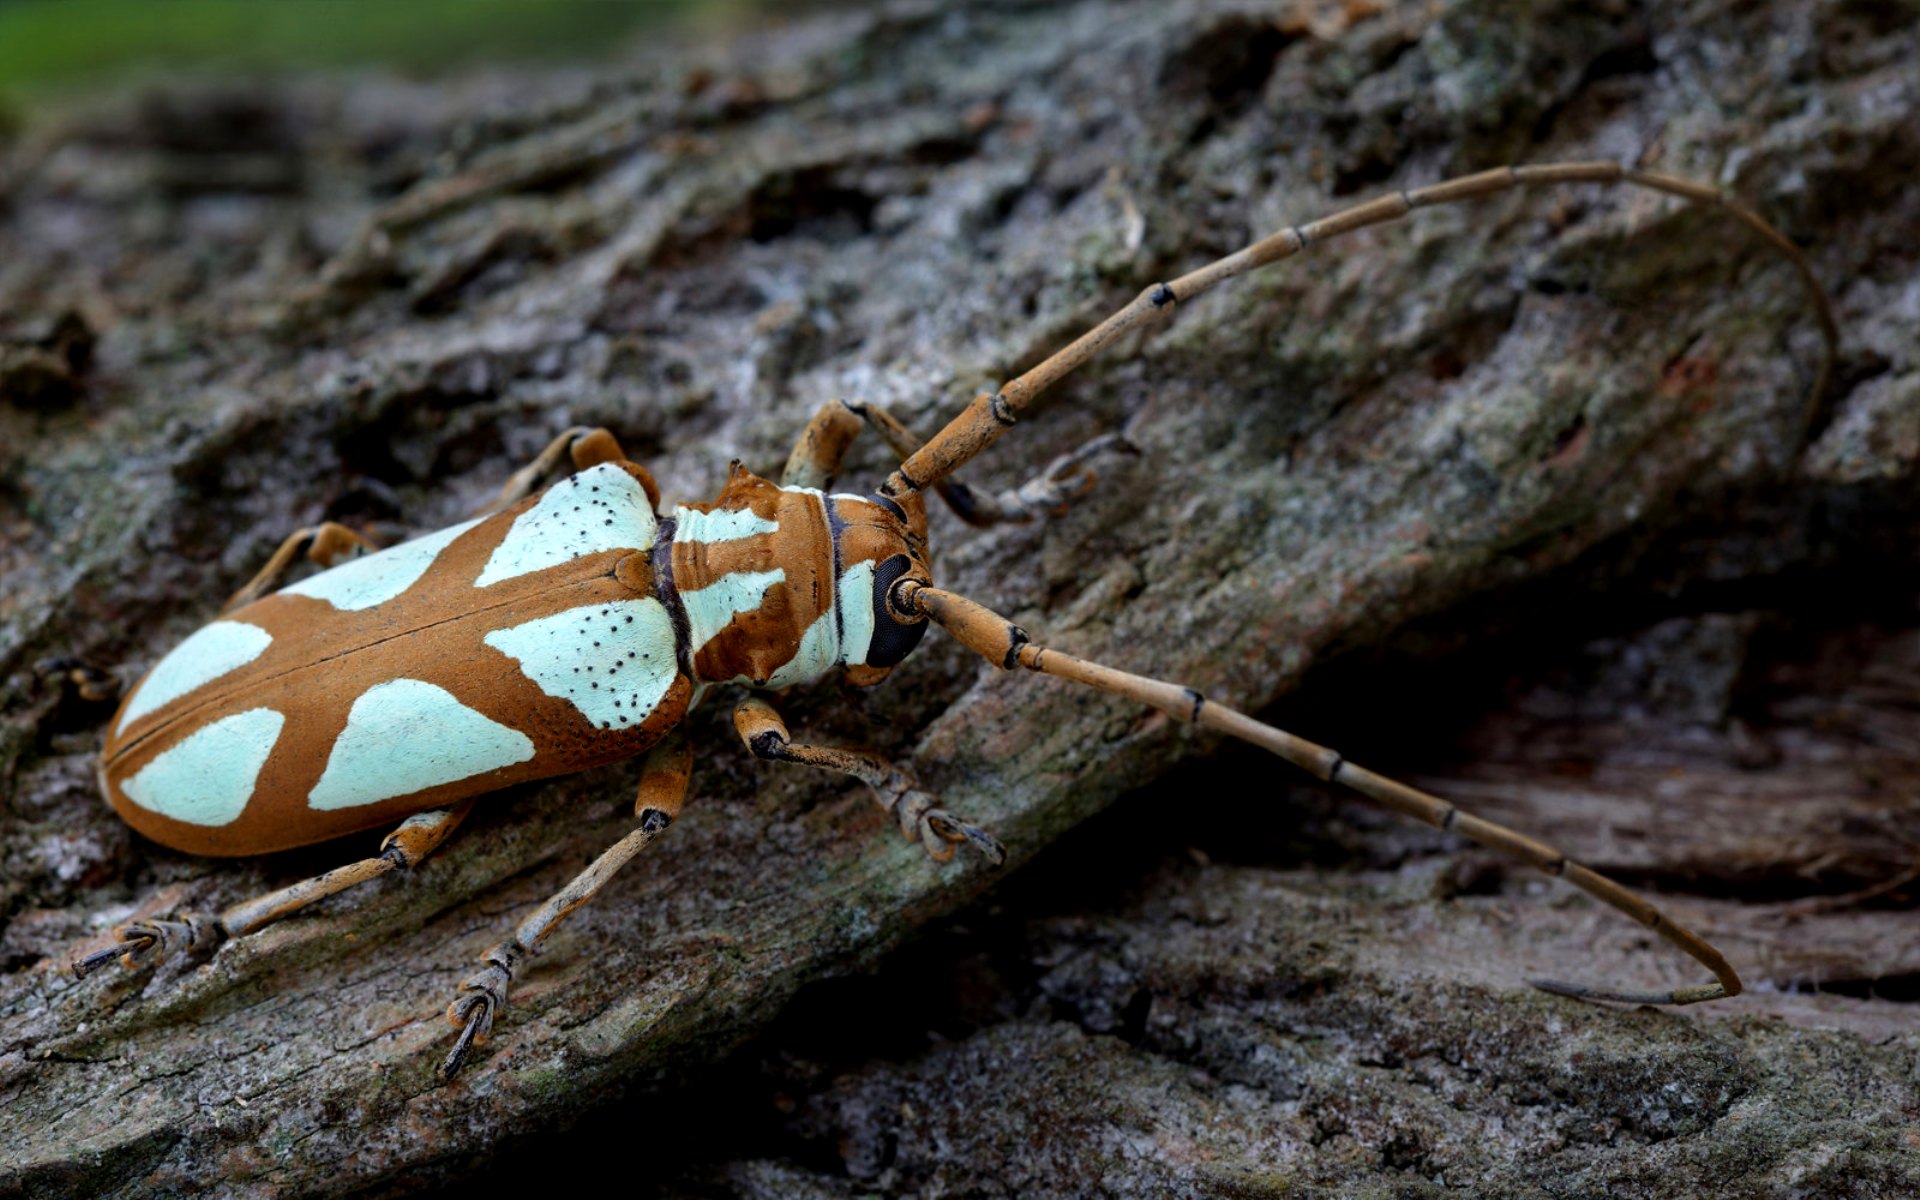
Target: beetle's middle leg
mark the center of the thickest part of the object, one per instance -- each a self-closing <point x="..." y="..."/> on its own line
<point x="586" y="447"/>
<point x="161" y="937"/>
<point x="1064" y="480"/>
<point x="325" y="545"/>
<point x="823" y="445"/>
<point x="663" y="789"/>
<point x="921" y="820"/>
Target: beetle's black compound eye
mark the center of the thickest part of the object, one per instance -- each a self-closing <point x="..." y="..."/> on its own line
<point x="893" y="639"/>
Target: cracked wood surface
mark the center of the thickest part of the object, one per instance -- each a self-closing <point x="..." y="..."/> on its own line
<point x="1505" y="498"/>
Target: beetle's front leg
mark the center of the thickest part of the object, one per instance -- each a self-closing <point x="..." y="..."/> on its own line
<point x="137" y="943"/>
<point x="816" y="457"/>
<point x="1049" y="493"/>
<point x="663" y="789"/>
<point x="920" y="817"/>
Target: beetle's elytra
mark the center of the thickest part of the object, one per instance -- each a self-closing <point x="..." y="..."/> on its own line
<point x="577" y="625"/>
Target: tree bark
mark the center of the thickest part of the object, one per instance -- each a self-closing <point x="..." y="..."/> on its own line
<point x="1510" y="498"/>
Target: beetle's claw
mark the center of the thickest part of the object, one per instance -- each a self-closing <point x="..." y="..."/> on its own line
<point x="144" y="943"/>
<point x="478" y="1020"/>
<point x="482" y="997"/>
<point x="127" y="950"/>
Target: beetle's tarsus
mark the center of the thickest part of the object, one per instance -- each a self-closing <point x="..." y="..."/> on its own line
<point x="482" y="997"/>
<point x="1070" y="477"/>
<point x="139" y="944"/>
<point x="125" y="951"/>
<point x="937" y="830"/>
<point x="954" y="831"/>
<point x="480" y="1017"/>
<point x="1050" y="493"/>
<point x="918" y="813"/>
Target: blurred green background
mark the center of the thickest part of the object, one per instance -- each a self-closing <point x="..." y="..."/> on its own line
<point x="54" y="45"/>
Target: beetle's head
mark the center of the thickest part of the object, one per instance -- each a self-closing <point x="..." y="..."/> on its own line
<point x="882" y="545"/>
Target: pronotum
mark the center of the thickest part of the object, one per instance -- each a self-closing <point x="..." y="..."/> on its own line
<point x="576" y="624"/>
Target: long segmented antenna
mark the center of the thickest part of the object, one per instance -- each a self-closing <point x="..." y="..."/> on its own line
<point x="1006" y="645"/>
<point x="990" y="413"/>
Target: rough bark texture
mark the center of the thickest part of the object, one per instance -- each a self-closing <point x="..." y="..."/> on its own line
<point x="1524" y="476"/>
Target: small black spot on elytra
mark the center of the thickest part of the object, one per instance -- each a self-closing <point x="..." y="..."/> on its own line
<point x="596" y="645"/>
<point x="595" y="686"/>
<point x="629" y="620"/>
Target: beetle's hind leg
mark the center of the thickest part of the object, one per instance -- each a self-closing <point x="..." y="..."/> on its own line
<point x="663" y="789"/>
<point x="138" y="943"/>
<point x="586" y="447"/>
<point x="920" y="817"/>
<point x="1049" y="493"/>
<point x="325" y="545"/>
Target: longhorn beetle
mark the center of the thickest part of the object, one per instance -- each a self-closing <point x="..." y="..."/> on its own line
<point x="575" y="625"/>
